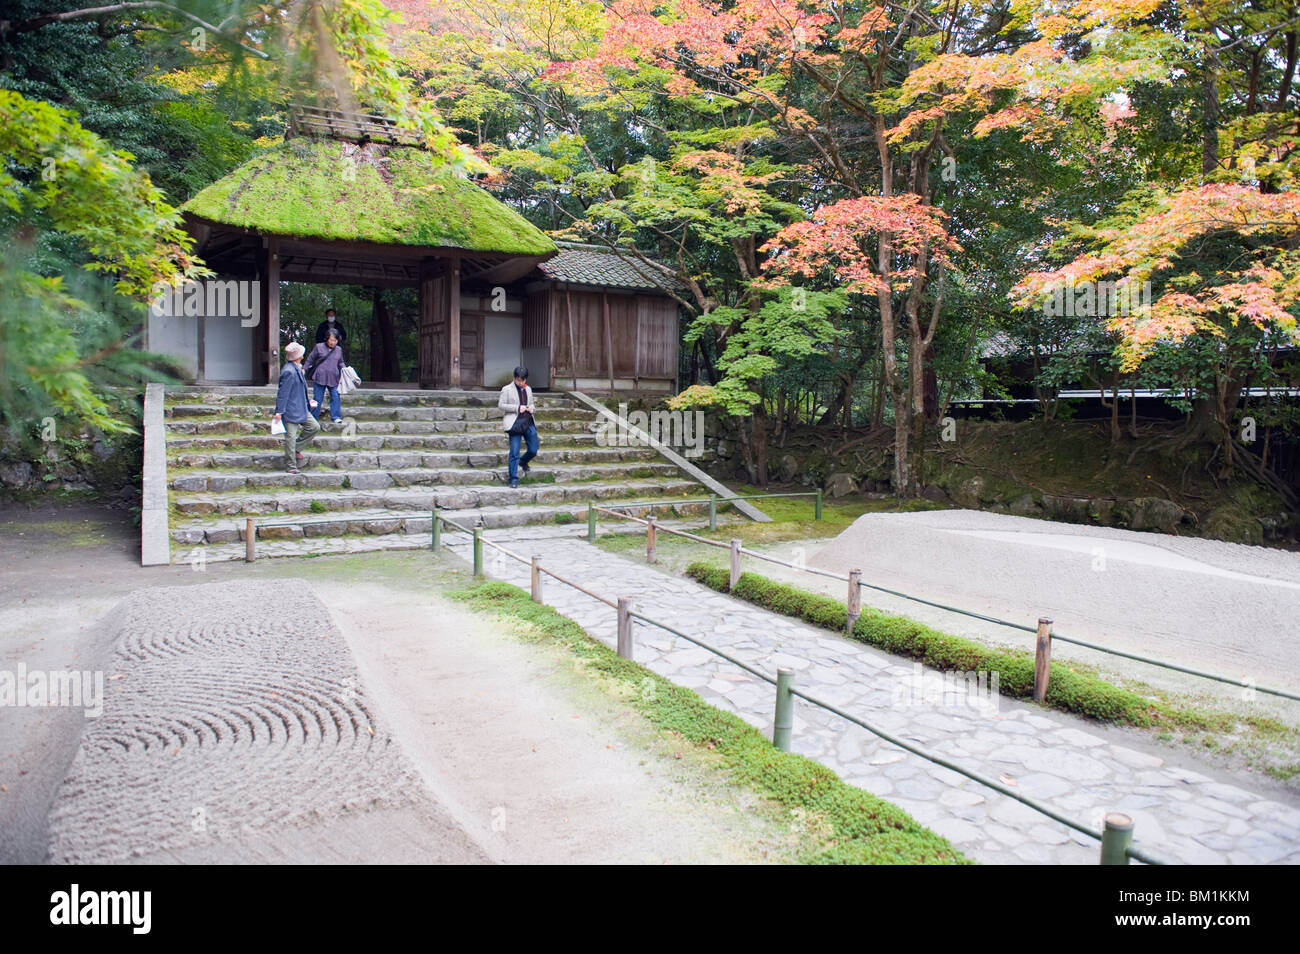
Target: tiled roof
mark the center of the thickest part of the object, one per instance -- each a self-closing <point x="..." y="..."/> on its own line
<point x="591" y="265"/>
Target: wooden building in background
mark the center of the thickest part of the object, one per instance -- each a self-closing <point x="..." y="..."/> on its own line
<point x="349" y="199"/>
<point x="601" y="322"/>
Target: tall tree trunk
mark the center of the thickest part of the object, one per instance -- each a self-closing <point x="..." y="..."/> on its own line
<point x="919" y="342"/>
<point x="931" y="388"/>
<point x="878" y="412"/>
<point x="758" y="420"/>
<point x="889" y="364"/>
<point x="1211" y="416"/>
<point x="1115" y="433"/>
<point x="1210" y="119"/>
<point x="832" y="410"/>
<point x="745" y="438"/>
<point x="708" y="362"/>
<point x="917" y="382"/>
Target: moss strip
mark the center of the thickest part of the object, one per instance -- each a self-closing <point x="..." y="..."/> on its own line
<point x="861" y="829"/>
<point x="1068" y="690"/>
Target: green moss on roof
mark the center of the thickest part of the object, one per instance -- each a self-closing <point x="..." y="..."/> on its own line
<point x="370" y="193"/>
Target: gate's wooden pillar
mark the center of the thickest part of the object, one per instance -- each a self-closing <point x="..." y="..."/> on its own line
<point x="266" y="335"/>
<point x="453" y="318"/>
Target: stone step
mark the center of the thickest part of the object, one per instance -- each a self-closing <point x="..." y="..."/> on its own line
<point x="252" y="451"/>
<point x="532" y="503"/>
<point x="351" y="472"/>
<point x="413" y="533"/>
<point x="265" y="396"/>
<point x="470" y="441"/>
<point x="365" y="412"/>
<point x="262" y="425"/>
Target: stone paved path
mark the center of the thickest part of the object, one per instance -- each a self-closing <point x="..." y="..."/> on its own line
<point x="1068" y="763"/>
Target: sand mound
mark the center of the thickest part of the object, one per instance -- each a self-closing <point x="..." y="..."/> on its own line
<point x="1205" y="603"/>
<point x="228" y="708"/>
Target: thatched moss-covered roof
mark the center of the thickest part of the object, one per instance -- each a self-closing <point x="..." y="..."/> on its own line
<point x="390" y="195"/>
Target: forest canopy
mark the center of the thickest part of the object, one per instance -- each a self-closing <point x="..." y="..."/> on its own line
<point x="855" y="204"/>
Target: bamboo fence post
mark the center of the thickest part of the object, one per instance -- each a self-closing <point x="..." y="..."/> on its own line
<point x="1116" y="836"/>
<point x="1042" y="659"/>
<point x="783" y="719"/>
<point x="855" y="601"/>
<point x="625" y="627"/>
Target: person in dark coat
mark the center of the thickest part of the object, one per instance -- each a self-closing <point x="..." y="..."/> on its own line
<point x="325" y="367"/>
<point x="293" y="409"/>
<point x="330" y="323"/>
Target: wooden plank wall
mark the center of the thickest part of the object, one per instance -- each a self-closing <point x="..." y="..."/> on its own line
<point x="659" y="337"/>
<point x="643" y="336"/>
<point x="623" y="334"/>
<point x="578" y="324"/>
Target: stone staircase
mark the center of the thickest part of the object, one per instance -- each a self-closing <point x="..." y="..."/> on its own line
<point x="373" y="481"/>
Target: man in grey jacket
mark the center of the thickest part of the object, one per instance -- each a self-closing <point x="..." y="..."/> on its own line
<point x="293" y="407"/>
<point x="516" y="401"/>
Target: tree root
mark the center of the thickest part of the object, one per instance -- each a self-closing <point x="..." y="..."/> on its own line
<point x="1261" y="474"/>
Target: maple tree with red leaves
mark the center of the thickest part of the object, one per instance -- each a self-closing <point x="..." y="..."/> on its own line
<point x="762" y="145"/>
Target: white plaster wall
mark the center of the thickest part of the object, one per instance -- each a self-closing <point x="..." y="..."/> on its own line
<point x="228" y="345"/>
<point x="502" y="344"/>
<point x="177" y="337"/>
<point x="228" y="350"/>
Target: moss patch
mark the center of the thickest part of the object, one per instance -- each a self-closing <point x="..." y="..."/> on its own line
<point x="75" y="533"/>
<point x="793" y="518"/>
<point x="844" y="825"/>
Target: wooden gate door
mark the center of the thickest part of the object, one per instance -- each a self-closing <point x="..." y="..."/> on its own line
<point x="471" y="351"/>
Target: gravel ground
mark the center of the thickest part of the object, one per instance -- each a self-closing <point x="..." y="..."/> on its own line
<point x="1223" y="607"/>
<point x="238" y="729"/>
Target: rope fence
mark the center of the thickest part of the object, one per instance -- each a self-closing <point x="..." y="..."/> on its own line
<point x="1115" y="837"/>
<point x="713" y="500"/>
<point x="855" y="582"/>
